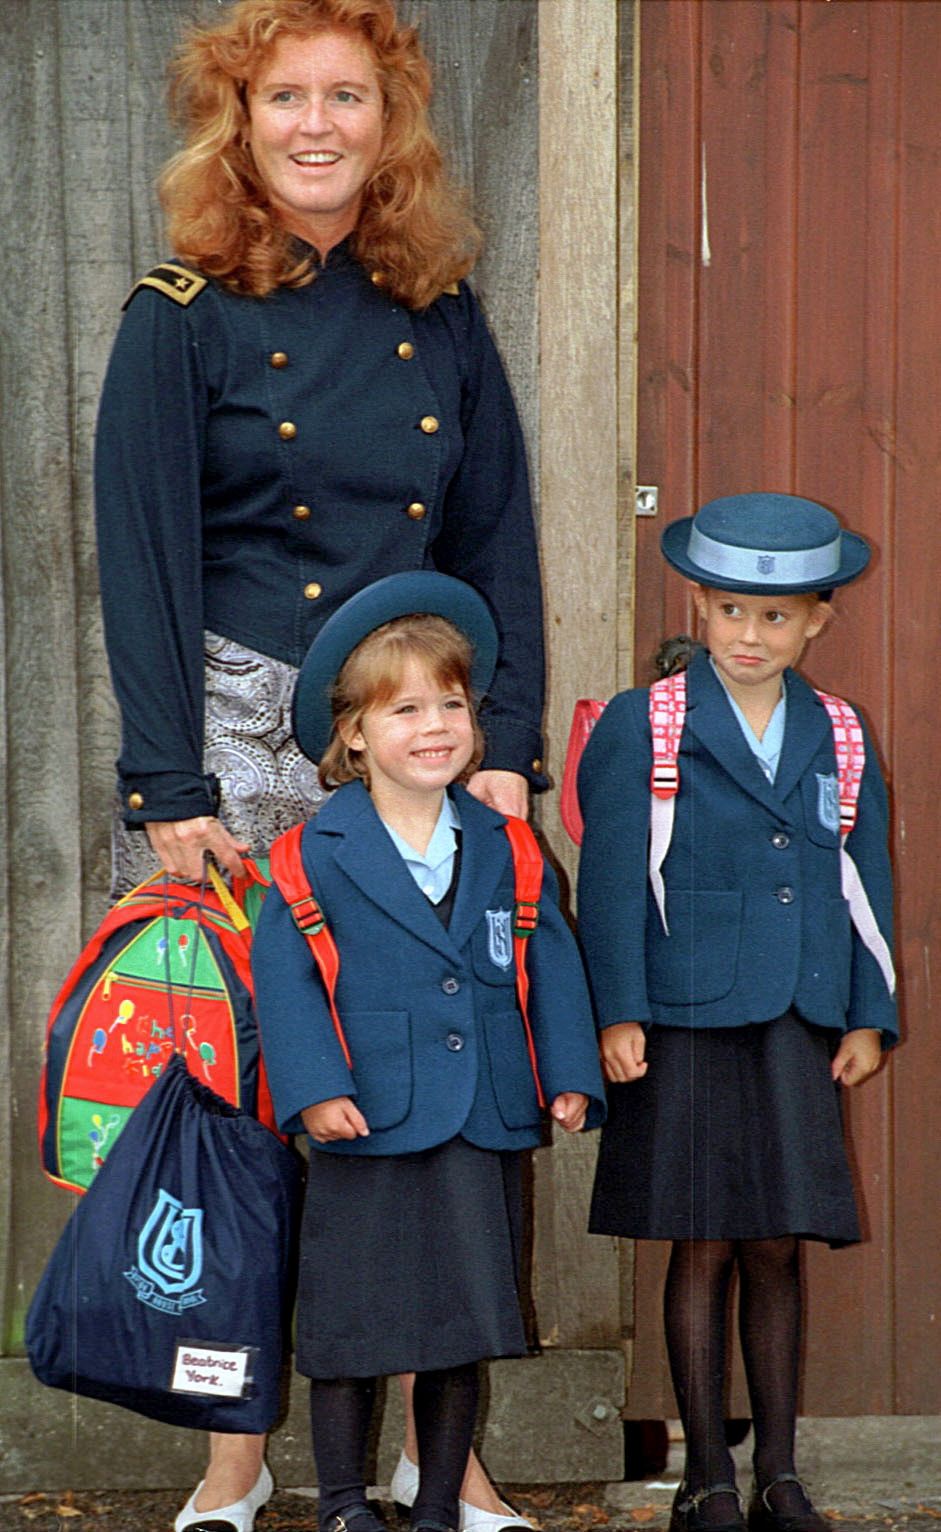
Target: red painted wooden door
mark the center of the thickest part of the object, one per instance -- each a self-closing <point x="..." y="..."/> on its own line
<point x="790" y="339"/>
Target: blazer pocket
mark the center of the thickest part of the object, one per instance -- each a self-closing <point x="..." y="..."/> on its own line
<point x="511" y="1073"/>
<point x="820" y="791"/>
<point x="697" y="962"/>
<point x="380" y="1044"/>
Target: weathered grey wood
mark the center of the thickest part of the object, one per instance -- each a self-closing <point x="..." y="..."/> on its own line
<point x="577" y="1285"/>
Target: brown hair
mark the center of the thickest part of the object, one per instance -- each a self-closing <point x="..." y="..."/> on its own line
<point x="414" y="228"/>
<point x="373" y="673"/>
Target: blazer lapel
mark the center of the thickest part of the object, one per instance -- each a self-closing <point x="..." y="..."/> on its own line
<point x="364" y="851"/>
<point x="483" y="858"/>
<point x="807" y="725"/>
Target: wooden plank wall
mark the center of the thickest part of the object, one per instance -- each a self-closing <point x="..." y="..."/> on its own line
<point x="83" y="133"/>
<point x="790" y="327"/>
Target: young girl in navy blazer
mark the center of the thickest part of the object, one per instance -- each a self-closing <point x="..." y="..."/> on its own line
<point x="740" y="979"/>
<point x="411" y="1228"/>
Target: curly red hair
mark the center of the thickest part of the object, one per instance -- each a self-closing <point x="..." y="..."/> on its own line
<point x="413" y="227"/>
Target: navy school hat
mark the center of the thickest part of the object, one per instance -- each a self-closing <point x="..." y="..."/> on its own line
<point x="399" y="595"/>
<point x="764" y="544"/>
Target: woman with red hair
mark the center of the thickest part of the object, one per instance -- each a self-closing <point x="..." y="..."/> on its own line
<point x="305" y="398"/>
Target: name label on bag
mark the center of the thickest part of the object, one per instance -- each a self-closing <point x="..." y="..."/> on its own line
<point x="221" y="1371"/>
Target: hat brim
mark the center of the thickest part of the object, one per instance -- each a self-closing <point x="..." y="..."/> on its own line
<point x="674" y="542"/>
<point x="398" y="595"/>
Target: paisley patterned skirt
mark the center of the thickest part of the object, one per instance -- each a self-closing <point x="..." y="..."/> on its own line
<point x="267" y="784"/>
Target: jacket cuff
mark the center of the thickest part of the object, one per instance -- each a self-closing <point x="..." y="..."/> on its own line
<point x="167" y="795"/>
<point x="513" y="745"/>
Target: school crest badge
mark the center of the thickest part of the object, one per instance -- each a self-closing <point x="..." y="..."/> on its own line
<point x="828" y="801"/>
<point x="765" y="563"/>
<point x="169" y="1257"/>
<point x="500" y="937"/>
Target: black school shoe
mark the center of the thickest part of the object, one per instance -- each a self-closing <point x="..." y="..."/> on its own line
<point x="686" y="1513"/>
<point x="357" y="1518"/>
<point x="798" y="1515"/>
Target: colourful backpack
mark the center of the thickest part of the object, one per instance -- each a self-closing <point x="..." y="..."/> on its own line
<point x="166" y="972"/>
<point x="667" y="714"/>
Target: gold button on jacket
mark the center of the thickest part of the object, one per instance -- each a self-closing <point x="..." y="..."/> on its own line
<point x="405" y="350"/>
<point x="287" y="430"/>
<point x="417" y="511"/>
<point x="301" y="512"/>
<point x="429" y="425"/>
<point x="313" y="590"/>
<point x="135" y="800"/>
<point x="278" y="358"/>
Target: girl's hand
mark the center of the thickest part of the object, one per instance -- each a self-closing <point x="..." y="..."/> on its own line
<point x="858" y="1056"/>
<point x="570" y="1109"/>
<point x="622" y="1052"/>
<point x="505" y="791"/>
<point x="333" y="1119"/>
<point x="180" y="844"/>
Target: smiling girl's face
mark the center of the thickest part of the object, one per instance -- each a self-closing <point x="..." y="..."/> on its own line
<point x="419" y="740"/>
<point x="753" y="639"/>
<point x="315" y="132"/>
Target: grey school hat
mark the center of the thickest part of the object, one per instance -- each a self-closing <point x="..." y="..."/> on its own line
<point x="764" y="544"/>
<point x="397" y="595"/>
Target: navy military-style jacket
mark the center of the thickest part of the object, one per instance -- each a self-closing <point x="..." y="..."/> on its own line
<point x="430" y="1013"/>
<point x="757" y="919"/>
<point x="260" y="460"/>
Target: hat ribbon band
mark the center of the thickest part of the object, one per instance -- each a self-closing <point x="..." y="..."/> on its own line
<point x="764" y="566"/>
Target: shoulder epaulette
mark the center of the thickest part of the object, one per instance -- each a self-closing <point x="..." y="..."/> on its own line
<point x="176" y="282"/>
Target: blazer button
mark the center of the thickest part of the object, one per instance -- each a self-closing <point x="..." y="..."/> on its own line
<point x="780" y="841"/>
<point x="784" y="895"/>
<point x="429" y="424"/>
<point x="417" y="510"/>
<point x="135" y="801"/>
<point x="405" y="350"/>
<point x="287" y="430"/>
<point x="455" y="1042"/>
<point x="278" y="359"/>
<point x="450" y="985"/>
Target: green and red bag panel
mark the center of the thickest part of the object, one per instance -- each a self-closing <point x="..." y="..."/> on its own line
<point x="167" y="971"/>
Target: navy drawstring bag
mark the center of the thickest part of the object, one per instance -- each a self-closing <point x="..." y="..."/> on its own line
<point x="169" y="1289"/>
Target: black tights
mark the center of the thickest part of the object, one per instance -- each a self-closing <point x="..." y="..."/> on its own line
<point x="445" y="1411"/>
<point x="695" y="1310"/>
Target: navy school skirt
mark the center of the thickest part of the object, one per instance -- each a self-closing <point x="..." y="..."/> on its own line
<point x="409" y="1262"/>
<point x="733" y="1133"/>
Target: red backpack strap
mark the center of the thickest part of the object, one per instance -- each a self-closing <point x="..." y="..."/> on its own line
<point x="527" y="879"/>
<point x="287" y="872"/>
<point x="850" y="747"/>
<point x="586" y="715"/>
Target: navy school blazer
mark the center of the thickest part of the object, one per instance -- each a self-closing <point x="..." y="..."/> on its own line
<point x="430" y="1013"/>
<point x="757" y="919"/>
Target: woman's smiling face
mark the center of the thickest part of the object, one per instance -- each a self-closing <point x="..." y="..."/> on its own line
<point x="316" y="128"/>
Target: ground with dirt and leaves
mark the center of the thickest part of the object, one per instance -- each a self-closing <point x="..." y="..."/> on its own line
<point x="557" y="1508"/>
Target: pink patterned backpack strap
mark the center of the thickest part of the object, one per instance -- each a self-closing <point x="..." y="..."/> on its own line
<point x="850" y="747"/>
<point x="667" y="713"/>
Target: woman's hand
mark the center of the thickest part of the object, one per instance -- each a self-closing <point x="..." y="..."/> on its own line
<point x="505" y="791"/>
<point x="622" y="1052"/>
<point x="181" y="843"/>
<point x="570" y="1109"/>
<point x="333" y="1119"/>
<point x="858" y="1056"/>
